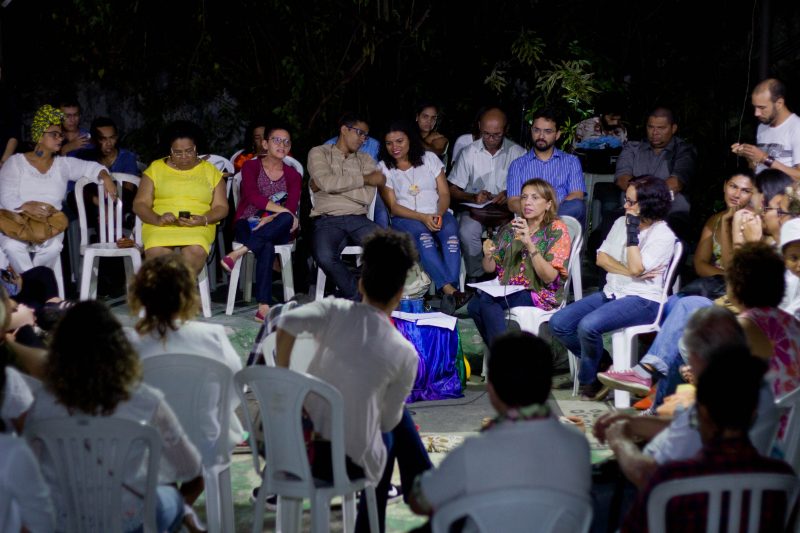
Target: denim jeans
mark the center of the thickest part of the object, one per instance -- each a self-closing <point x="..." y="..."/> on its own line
<point x="262" y="243"/>
<point x="381" y="216"/>
<point x="489" y="314"/>
<point x="169" y="509"/>
<point x="402" y="443"/>
<point x="663" y="354"/>
<point x="580" y="326"/>
<point x="575" y="208"/>
<point x="443" y="266"/>
<point x="331" y="235"/>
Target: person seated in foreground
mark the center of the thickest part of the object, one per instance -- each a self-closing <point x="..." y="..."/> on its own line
<point x="525" y="446"/>
<point x="531" y="251"/>
<point x="723" y="420"/>
<point x="381" y="367"/>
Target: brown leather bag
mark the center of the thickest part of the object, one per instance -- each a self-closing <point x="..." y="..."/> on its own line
<point x="33" y="229"/>
<point x="492" y="215"/>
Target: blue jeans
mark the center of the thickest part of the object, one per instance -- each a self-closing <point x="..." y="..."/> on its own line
<point x="489" y="314"/>
<point x="573" y="208"/>
<point x="663" y="355"/>
<point x="169" y="509"/>
<point x="580" y="326"/>
<point x="331" y="235"/>
<point x="381" y="216"/>
<point x="262" y="243"/>
<point x="442" y="266"/>
<point x="402" y="443"/>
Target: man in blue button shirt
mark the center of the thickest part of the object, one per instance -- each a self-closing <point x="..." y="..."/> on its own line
<point x="561" y="170"/>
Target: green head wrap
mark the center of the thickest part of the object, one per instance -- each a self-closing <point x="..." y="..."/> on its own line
<point x="45" y="117"/>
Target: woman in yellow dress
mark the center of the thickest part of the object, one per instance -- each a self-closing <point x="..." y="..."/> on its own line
<point x="180" y="200"/>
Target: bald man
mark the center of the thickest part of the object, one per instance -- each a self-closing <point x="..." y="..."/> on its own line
<point x="479" y="176"/>
<point x="778" y="134"/>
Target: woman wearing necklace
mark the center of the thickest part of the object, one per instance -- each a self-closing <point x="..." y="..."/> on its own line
<point x="417" y="196"/>
<point x="36" y="183"/>
<point x="180" y="200"/>
<point x="266" y="214"/>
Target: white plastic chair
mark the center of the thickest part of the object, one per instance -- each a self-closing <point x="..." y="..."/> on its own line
<point x="235" y="155"/>
<point x="304" y="349"/>
<point x="530" y="319"/>
<point x="518" y="510"/>
<point x="283" y="251"/>
<point x="716" y="487"/>
<point x="319" y="293"/>
<point x="110" y="230"/>
<point x="623" y="341"/>
<point x="790" y="443"/>
<point x="280" y="394"/>
<point x="222" y="163"/>
<point x="225" y="165"/>
<point x="91" y="456"/>
<point x="591" y="180"/>
<point x="187" y="381"/>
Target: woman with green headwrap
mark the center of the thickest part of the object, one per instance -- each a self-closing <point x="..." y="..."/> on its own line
<point x="33" y="181"/>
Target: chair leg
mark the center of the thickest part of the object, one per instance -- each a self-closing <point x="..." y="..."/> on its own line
<point x="372" y="508"/>
<point x="622" y="361"/>
<point x="233" y="284"/>
<point x="320" y="292"/>
<point x="289" y="517"/>
<point x="287" y="274"/>
<point x="462" y="275"/>
<point x="248" y="274"/>
<point x="205" y="292"/>
<point x="226" y="500"/>
<point x="349" y="512"/>
<point x="320" y="514"/>
<point x="213" y="508"/>
<point x="86" y="274"/>
<point x="59" y="276"/>
<point x="574" y="365"/>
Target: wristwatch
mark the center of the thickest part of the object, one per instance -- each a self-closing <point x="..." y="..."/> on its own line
<point x="768" y="162"/>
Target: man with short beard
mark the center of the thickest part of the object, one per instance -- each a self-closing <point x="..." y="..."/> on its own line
<point x="778" y="134"/>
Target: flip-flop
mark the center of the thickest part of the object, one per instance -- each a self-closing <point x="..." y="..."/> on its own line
<point x="227" y="263"/>
<point x="259" y="317"/>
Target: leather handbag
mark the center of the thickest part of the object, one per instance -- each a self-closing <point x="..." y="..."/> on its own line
<point x="34" y="229"/>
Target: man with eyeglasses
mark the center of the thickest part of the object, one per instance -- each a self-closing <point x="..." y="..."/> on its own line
<point x="561" y="170"/>
<point x="479" y="176"/>
<point x="344" y="183"/>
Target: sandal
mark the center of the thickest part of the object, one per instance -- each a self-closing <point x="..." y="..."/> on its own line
<point x="227" y="263"/>
<point x="259" y="317"/>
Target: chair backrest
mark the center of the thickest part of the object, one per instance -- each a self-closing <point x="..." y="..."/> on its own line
<point x="222" y="163"/>
<point x="280" y="394"/>
<point x="235" y="184"/>
<point x="120" y="178"/>
<point x="197" y="388"/>
<point x="518" y="510"/>
<point x="110" y="211"/>
<point x="672" y="271"/>
<point x="576" y="239"/>
<point x="90" y="457"/>
<point x="790" y="441"/>
<point x="235" y="155"/>
<point x="294" y="163"/>
<point x="716" y="486"/>
<point x="304" y="349"/>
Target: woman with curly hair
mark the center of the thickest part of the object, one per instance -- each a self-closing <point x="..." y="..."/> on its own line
<point x="636" y="254"/>
<point x="94" y="371"/>
<point x="165" y="289"/>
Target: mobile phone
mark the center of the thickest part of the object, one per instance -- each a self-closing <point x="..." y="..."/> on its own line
<point x="184" y="214"/>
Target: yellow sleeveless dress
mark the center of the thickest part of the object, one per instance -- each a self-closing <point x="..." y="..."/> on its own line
<point x="181" y="190"/>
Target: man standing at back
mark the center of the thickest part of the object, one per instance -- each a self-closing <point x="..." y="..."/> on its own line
<point x="561" y="170"/>
<point x="479" y="176"/>
<point x="778" y="135"/>
<point x="344" y="182"/>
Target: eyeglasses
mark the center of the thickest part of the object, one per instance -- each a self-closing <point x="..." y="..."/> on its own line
<point x="54" y="134"/>
<point x="281" y="140"/>
<point x="492" y="136"/>
<point x="778" y="211"/>
<point x="548" y="131"/>
<point x="189" y="152"/>
<point x="630" y="202"/>
<point x="359" y="131"/>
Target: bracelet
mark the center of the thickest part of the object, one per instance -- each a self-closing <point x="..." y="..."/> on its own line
<point x="768" y="162"/>
<point x="205" y="218"/>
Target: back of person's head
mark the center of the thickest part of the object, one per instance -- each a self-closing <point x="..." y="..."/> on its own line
<point x="710" y="329"/>
<point x="729" y="387"/>
<point x="653" y="197"/>
<point x="520" y="369"/>
<point x="416" y="150"/>
<point x="349" y="118"/>
<point x="771" y="182"/>
<point x="91" y="365"/>
<point x="165" y="288"/>
<point x="388" y="255"/>
<point x="663" y="112"/>
<point x="755" y="276"/>
<point x="548" y="113"/>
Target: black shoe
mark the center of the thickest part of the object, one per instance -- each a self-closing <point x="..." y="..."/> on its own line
<point x="453" y="302"/>
<point x="593" y="392"/>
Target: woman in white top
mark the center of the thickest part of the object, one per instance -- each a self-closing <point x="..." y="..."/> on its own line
<point x="166" y="290"/>
<point x="35" y="182"/>
<point x="417" y="196"/>
<point x="636" y="254"/>
<point x="94" y="371"/>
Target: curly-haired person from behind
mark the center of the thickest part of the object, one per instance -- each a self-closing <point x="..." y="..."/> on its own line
<point x="372" y="365"/>
<point x="94" y="371"/>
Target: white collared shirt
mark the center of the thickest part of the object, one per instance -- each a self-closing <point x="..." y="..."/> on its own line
<point x="476" y="169"/>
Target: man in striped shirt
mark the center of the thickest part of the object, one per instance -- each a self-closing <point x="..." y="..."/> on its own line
<point x="561" y="170"/>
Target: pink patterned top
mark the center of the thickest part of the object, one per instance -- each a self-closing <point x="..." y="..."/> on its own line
<point x="783" y="331"/>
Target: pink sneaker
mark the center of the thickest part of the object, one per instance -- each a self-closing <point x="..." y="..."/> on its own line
<point x="626" y="380"/>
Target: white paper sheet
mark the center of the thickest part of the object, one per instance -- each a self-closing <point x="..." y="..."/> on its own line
<point x="439" y="320"/>
<point x="479" y="206"/>
<point x="494" y="289"/>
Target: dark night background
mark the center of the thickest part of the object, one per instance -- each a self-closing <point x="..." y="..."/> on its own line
<point x="220" y="63"/>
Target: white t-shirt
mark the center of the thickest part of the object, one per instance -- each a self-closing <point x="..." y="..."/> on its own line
<point x="370" y="363"/>
<point x="532" y="454"/>
<point x="462" y="142"/>
<point x="478" y="170"/>
<point x="17" y="396"/>
<point x="782" y="143"/>
<point x="21" y="479"/>
<point x="415" y="188"/>
<point x="656" y="246"/>
<point x="791" y="297"/>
